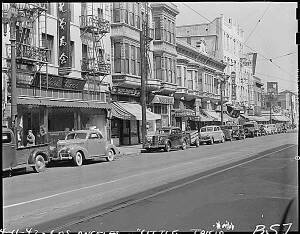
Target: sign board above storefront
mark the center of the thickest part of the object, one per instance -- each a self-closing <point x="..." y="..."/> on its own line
<point x="126" y="91"/>
<point x="163" y="100"/>
<point x="58" y="82"/>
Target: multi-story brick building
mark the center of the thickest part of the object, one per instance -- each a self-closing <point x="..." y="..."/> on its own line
<point x="63" y="66"/>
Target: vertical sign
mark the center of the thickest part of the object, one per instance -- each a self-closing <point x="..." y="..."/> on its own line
<point x="272" y="88"/>
<point x="254" y="63"/>
<point x="63" y="29"/>
<point x="233" y="76"/>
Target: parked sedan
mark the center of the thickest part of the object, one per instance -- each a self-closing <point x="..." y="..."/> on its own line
<point x="262" y="130"/>
<point x="270" y="129"/>
<point x="84" y="144"/>
<point x="211" y="134"/>
<point x="238" y="132"/>
<point x="227" y="130"/>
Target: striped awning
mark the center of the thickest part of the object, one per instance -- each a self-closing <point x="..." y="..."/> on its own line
<point x="62" y="103"/>
<point x="131" y="111"/>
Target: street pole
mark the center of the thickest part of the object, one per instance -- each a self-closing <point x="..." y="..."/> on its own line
<point x="144" y="71"/>
<point x="292" y="109"/>
<point x="221" y="87"/>
<point x="13" y="73"/>
<point x="270" y="108"/>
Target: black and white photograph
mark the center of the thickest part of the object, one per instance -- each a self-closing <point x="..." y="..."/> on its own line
<point x="150" y="117"/>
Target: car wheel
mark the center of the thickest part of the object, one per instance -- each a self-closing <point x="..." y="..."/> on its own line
<point x="197" y="143"/>
<point x="110" y="155"/>
<point x="183" y="147"/>
<point x="39" y="163"/>
<point x="223" y="139"/>
<point x="167" y="147"/>
<point x="78" y="159"/>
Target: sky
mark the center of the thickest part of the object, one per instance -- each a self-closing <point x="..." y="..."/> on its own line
<point x="273" y="36"/>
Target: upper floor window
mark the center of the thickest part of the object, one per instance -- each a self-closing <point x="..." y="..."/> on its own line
<point x="47" y="42"/>
<point x="117" y="57"/>
<point x="157" y="28"/>
<point x="116" y="12"/>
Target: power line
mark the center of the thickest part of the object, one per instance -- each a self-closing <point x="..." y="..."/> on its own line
<point x="284" y="55"/>
<point x="281" y="78"/>
<point x="268" y="59"/>
<point x="258" y="21"/>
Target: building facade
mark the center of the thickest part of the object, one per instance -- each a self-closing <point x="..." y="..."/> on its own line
<point x="63" y="74"/>
<point x="224" y="39"/>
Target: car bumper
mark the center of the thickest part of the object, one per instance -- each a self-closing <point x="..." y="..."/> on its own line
<point x="152" y="146"/>
<point x="62" y="156"/>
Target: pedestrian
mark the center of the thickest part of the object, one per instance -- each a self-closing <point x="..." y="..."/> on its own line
<point x="42" y="135"/>
<point x="30" y="138"/>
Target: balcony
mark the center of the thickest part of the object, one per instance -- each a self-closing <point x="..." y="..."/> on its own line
<point x="168" y="88"/>
<point x="92" y="23"/>
<point x="181" y="92"/>
<point x="153" y="84"/>
<point x="28" y="54"/>
<point x="91" y="67"/>
<point x="192" y="94"/>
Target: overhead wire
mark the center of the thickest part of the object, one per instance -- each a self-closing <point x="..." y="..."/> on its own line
<point x="268" y="59"/>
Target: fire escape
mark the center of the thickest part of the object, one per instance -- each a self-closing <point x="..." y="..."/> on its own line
<point x="93" y="29"/>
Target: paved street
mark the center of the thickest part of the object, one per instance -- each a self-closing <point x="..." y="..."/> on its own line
<point x="60" y="192"/>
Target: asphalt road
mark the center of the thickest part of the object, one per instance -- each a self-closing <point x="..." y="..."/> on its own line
<point x="59" y="193"/>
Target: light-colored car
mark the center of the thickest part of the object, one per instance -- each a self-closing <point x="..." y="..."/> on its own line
<point x="211" y="134"/>
<point x="270" y="129"/>
<point x="81" y="145"/>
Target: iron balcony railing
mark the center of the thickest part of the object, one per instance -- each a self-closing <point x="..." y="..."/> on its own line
<point x="92" y="22"/>
<point x="91" y="66"/>
<point x="28" y="52"/>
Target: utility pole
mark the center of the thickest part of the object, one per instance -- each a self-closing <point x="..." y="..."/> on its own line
<point x="292" y="109"/>
<point x="144" y="69"/>
<point x="221" y="87"/>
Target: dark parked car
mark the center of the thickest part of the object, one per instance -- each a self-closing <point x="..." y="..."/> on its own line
<point x="227" y="130"/>
<point x="167" y="138"/>
<point x="262" y="130"/>
<point x="251" y="129"/>
<point x="81" y="145"/>
<point x="238" y="132"/>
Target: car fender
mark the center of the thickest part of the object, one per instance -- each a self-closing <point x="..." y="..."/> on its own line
<point x="36" y="152"/>
<point x="113" y="147"/>
<point x="167" y="141"/>
<point x="75" y="148"/>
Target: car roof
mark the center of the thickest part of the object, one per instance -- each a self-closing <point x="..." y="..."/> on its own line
<point x="210" y="126"/>
<point x="84" y="131"/>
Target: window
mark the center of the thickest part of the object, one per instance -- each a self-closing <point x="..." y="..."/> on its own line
<point x="126" y="64"/>
<point x="184" y="76"/>
<point x="169" y="32"/>
<point x="138" y="21"/>
<point x="189" y="80"/>
<point x="117" y="58"/>
<point x="47" y="42"/>
<point x="165" y="29"/>
<point x="158" y="68"/>
<point x="49" y="8"/>
<point x="94" y="135"/>
<point x="72" y="53"/>
<point x="6" y="137"/>
<point x="75" y="135"/>
<point x="72" y="11"/>
<point x="126" y="13"/>
<point x="188" y="40"/>
<point x="138" y="58"/>
<point x="131" y="14"/>
<point x="133" y="60"/>
<point x="173" y="33"/>
<point x="100" y="13"/>
<point x="179" y="81"/>
<point x="157" y="28"/>
<point x="116" y="12"/>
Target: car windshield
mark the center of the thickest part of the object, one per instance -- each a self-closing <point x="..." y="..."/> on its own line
<point x="210" y="129"/>
<point x="249" y="125"/>
<point x="203" y="129"/>
<point x="76" y="135"/>
<point x="6" y="137"/>
<point x="163" y="131"/>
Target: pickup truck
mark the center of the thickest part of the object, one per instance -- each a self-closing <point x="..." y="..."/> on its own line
<point x="36" y="156"/>
<point x="167" y="138"/>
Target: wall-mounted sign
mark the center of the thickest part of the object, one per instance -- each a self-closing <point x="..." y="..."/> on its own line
<point x="58" y="82"/>
<point x="272" y="88"/>
<point x="63" y="28"/>
<point x="126" y="91"/>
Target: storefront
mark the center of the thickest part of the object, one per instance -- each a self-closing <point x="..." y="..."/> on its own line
<point x="126" y="123"/>
<point x="58" y="117"/>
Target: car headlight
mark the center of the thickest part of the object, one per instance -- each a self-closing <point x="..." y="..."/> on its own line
<point x="161" y="139"/>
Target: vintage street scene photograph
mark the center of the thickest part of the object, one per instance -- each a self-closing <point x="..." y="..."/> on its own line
<point x="150" y="117"/>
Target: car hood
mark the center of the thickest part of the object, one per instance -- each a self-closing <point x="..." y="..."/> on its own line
<point x="61" y="143"/>
<point x="204" y="134"/>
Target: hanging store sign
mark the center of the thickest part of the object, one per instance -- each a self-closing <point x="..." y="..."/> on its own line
<point x="63" y="28"/>
<point x="233" y="85"/>
<point x="126" y="91"/>
<point x="163" y="99"/>
<point x="58" y="82"/>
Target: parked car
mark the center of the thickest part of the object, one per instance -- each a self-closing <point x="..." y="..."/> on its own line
<point x="193" y="137"/>
<point x="251" y="129"/>
<point x="238" y="132"/>
<point x="279" y="127"/>
<point x="270" y="129"/>
<point x="227" y="130"/>
<point x="82" y="145"/>
<point x="36" y="156"/>
<point x="167" y="138"/>
<point x="262" y="130"/>
<point x="211" y="134"/>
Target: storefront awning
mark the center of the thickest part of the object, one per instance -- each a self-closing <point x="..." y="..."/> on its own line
<point x="131" y="111"/>
<point x="216" y="116"/>
<point x="62" y="103"/>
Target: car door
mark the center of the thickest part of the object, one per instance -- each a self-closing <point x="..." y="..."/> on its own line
<point x="216" y="134"/>
<point x="8" y="151"/>
<point x="93" y="144"/>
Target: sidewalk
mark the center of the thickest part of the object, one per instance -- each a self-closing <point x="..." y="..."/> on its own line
<point x="130" y="150"/>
